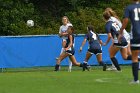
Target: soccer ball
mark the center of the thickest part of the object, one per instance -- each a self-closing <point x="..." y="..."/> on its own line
<point x="30" y="23"/>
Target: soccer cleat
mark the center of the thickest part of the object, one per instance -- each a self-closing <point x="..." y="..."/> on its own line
<point x="85" y="67"/>
<point x="89" y="67"/>
<point x="69" y="69"/>
<point x="104" y="67"/>
<point x="135" y="82"/>
<point x="57" y="67"/>
<point x="111" y="69"/>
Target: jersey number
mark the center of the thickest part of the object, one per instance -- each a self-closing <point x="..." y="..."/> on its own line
<point x="137" y="11"/>
<point x="94" y="36"/>
<point x="116" y="26"/>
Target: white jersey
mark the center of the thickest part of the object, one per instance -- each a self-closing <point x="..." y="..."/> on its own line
<point x="125" y="34"/>
<point x="64" y="28"/>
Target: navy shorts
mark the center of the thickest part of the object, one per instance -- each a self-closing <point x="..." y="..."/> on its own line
<point x="135" y="44"/>
<point x="70" y="52"/>
<point x="95" y="51"/>
<point x="135" y="48"/>
<point x="121" y="45"/>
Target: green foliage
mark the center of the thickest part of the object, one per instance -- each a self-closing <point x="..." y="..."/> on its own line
<point x="14" y="14"/>
<point x="47" y="15"/>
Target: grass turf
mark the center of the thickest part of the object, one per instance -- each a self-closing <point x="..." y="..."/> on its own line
<point x="45" y="80"/>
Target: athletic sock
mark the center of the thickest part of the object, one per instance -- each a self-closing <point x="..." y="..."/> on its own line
<point x="85" y="66"/>
<point x="115" y="62"/>
<point x="139" y="65"/>
<point x="135" y="71"/>
<point x="81" y="65"/>
<point x="56" y="67"/>
<point x="129" y="57"/>
<point x="138" y="59"/>
<point x="102" y="64"/>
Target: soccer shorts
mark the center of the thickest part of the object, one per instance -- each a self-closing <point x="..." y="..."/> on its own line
<point x="71" y="51"/>
<point x="135" y="44"/>
<point x="95" y="51"/>
<point x="121" y="45"/>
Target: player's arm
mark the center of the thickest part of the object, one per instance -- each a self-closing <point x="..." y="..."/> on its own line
<point x="108" y="39"/>
<point x="124" y="25"/>
<point x="71" y="43"/>
<point x="101" y="42"/>
<point x="83" y="43"/>
<point x="109" y="36"/>
<point x="63" y="34"/>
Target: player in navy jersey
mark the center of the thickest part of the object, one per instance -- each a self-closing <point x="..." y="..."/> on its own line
<point x="125" y="52"/>
<point x="132" y="12"/>
<point x="68" y="50"/>
<point x="112" y="30"/>
<point x="94" y="47"/>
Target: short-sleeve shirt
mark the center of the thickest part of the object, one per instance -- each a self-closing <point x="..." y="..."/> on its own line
<point x="113" y="28"/>
<point x="133" y="13"/>
<point x="93" y="40"/>
<point x="125" y="34"/>
<point x="64" y="28"/>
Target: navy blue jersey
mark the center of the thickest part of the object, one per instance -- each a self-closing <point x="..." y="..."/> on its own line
<point x="113" y="28"/>
<point x="68" y="41"/>
<point x="133" y="13"/>
<point x="93" y="40"/>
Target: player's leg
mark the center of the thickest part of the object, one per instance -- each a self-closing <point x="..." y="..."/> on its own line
<point x="64" y="43"/>
<point x="74" y="62"/>
<point x="139" y="61"/>
<point x="61" y="57"/>
<point x="70" y="63"/>
<point x="113" y="51"/>
<point x="129" y="49"/>
<point x="112" y="65"/>
<point x="99" y="58"/>
<point x="135" y="65"/>
<point x="70" y="66"/>
<point x="62" y="50"/>
<point x="124" y="53"/>
<point x="88" y="55"/>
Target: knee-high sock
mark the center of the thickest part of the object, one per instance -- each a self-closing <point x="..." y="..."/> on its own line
<point x="129" y="57"/>
<point x="56" y="67"/>
<point x="135" y="70"/>
<point x="101" y="63"/>
<point x="115" y="62"/>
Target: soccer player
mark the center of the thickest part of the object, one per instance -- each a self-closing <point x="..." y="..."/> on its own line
<point x="68" y="50"/>
<point x="125" y="52"/>
<point x="63" y="34"/>
<point x="112" y="29"/>
<point x="132" y="12"/>
<point x="94" y="47"/>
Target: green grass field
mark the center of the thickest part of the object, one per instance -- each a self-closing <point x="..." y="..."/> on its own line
<point x="45" y="80"/>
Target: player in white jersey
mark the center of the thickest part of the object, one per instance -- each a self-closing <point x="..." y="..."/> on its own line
<point x="123" y="51"/>
<point x="63" y="35"/>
